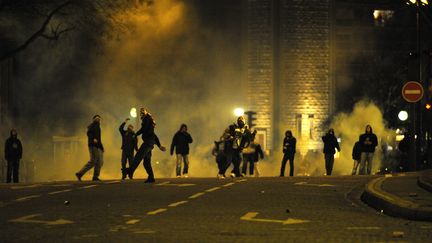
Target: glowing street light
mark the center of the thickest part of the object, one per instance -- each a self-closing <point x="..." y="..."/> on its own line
<point x="133" y="112"/>
<point x="403" y="115"/>
<point x="239" y="111"/>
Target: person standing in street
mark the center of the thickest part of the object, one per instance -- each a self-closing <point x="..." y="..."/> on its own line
<point x="289" y="149"/>
<point x="96" y="150"/>
<point x="368" y="142"/>
<point x="13" y="155"/>
<point x="251" y="155"/>
<point x="129" y="145"/>
<point x="330" y="146"/>
<point x="356" y="156"/>
<point x="180" y="142"/>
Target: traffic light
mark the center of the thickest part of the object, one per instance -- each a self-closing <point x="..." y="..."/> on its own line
<point x="250" y="118"/>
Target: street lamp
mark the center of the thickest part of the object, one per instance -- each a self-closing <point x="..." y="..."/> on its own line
<point x="238" y="111"/>
<point x="133" y="112"/>
<point x="403" y="115"/>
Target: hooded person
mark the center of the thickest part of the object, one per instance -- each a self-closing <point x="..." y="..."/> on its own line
<point x="289" y="150"/>
<point x="238" y="139"/>
<point x="330" y="146"/>
<point x="96" y="150"/>
<point x="180" y="142"/>
<point x="368" y="142"/>
<point x="13" y="155"/>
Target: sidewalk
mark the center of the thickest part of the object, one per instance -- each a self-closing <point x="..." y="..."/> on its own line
<point x="407" y="195"/>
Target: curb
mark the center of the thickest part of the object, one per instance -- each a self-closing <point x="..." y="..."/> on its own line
<point x="393" y="205"/>
<point x="423" y="183"/>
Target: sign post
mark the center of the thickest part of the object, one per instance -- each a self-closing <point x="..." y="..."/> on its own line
<point x="412" y="92"/>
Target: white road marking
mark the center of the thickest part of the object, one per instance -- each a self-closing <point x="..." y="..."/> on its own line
<point x="229" y="184"/>
<point x="133" y="221"/>
<point x="21" y="199"/>
<point x="213" y="189"/>
<point x="28" y="219"/>
<point x="57" y="192"/>
<point x="160" y="210"/>
<point x="60" y="185"/>
<point x="303" y="183"/>
<point x="242" y="180"/>
<point x="250" y="216"/>
<point x="111" y="182"/>
<point x="177" y="203"/>
<point x="145" y="231"/>
<point x="167" y="183"/>
<point x="86" y="187"/>
<point x="196" y="195"/>
<point x="363" y="228"/>
<point x="23" y="187"/>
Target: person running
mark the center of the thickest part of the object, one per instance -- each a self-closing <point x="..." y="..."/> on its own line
<point x="96" y="150"/>
<point x="144" y="152"/>
<point x="180" y="142"/>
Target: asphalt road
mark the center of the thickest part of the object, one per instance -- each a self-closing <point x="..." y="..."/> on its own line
<point x="299" y="209"/>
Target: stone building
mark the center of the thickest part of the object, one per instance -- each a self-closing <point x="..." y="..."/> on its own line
<point x="300" y="54"/>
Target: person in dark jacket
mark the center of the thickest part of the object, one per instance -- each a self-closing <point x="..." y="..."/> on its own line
<point x="96" y="150"/>
<point x="180" y="142"/>
<point x="220" y="152"/>
<point x="129" y="145"/>
<point x="289" y="149"/>
<point x="404" y="148"/>
<point x="13" y="155"/>
<point x="368" y="142"/>
<point x="251" y="155"/>
<point x="356" y="156"/>
<point x="330" y="146"/>
<point x="144" y="152"/>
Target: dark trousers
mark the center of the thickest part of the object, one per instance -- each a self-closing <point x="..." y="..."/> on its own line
<point x="126" y="157"/>
<point x="290" y="157"/>
<point x="12" y="170"/>
<point x="248" y="159"/>
<point x="144" y="152"/>
<point x="221" y="160"/>
<point x="329" y="161"/>
<point x="236" y="160"/>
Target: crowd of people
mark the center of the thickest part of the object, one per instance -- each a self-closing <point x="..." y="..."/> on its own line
<point x="237" y="147"/>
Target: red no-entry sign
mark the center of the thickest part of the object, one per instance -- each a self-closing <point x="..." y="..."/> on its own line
<point x="412" y="91"/>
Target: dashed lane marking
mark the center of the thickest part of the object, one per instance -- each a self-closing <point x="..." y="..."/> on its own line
<point x="177" y="203"/>
<point x="29" y="219"/>
<point x="21" y="199"/>
<point x="426" y="227"/>
<point x="167" y="183"/>
<point x="23" y="187"/>
<point x="57" y="192"/>
<point x="111" y="182"/>
<point x="229" y="184"/>
<point x="363" y="228"/>
<point x="160" y="210"/>
<point x="303" y="183"/>
<point x="242" y="180"/>
<point x="196" y="195"/>
<point x="213" y="189"/>
<point x="145" y="231"/>
<point x="133" y="221"/>
<point x="86" y="187"/>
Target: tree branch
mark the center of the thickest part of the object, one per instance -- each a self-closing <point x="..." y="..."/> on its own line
<point x="38" y="33"/>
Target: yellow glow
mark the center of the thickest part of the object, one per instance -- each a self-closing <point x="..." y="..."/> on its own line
<point x="425" y="2"/>
<point x="133" y="112"/>
<point x="376" y="14"/>
<point x="413" y="1"/>
<point x="428" y="106"/>
<point x="238" y="111"/>
<point x="399" y="137"/>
